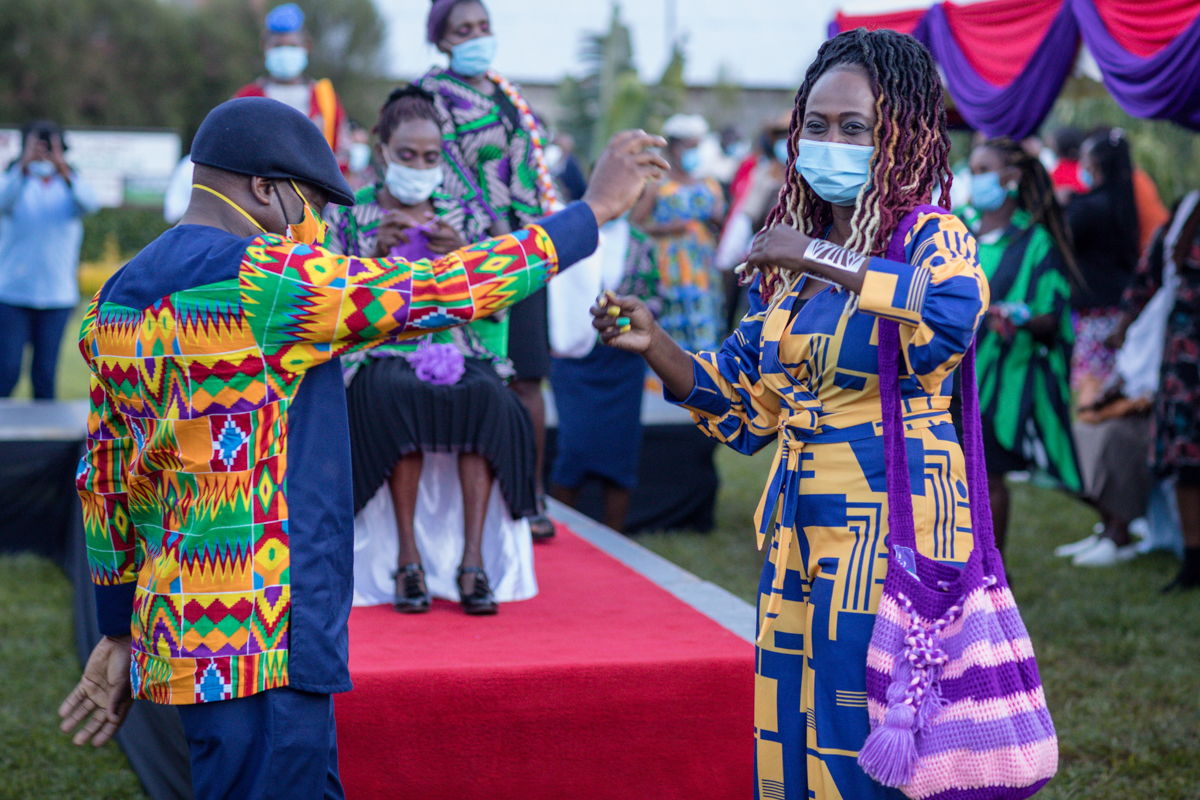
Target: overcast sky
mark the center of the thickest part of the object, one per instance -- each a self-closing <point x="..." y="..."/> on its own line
<point x="760" y="42"/>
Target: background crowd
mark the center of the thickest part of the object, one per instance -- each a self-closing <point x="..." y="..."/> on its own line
<point x="1073" y="235"/>
<point x="1089" y="358"/>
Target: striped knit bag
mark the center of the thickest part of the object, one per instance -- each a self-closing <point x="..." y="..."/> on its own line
<point x="954" y="697"/>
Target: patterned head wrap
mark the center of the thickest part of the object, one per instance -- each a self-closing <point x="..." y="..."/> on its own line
<point x="435" y="26"/>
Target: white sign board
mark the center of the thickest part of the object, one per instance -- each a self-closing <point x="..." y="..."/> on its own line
<point x="124" y="167"/>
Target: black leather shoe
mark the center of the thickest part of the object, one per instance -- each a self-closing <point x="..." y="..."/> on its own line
<point x="1183" y="582"/>
<point x="411" y="596"/>
<point x="480" y="602"/>
<point x="541" y="528"/>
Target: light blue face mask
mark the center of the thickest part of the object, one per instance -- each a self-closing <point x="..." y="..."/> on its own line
<point x="1086" y="177"/>
<point x="690" y="160"/>
<point x="42" y="169"/>
<point x="473" y="57"/>
<point x="986" y="192"/>
<point x="835" y="171"/>
<point x="286" y="62"/>
<point x="781" y="150"/>
<point x="411" y="186"/>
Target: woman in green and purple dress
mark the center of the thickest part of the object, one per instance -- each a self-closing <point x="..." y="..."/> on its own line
<point x="496" y="180"/>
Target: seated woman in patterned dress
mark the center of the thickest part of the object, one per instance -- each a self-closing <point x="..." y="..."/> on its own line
<point x="396" y="414"/>
<point x="868" y="144"/>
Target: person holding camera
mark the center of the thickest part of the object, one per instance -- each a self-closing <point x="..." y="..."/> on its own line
<point x="42" y="205"/>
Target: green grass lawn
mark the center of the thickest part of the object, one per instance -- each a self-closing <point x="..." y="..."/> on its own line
<point x="39" y="665"/>
<point x="1120" y="663"/>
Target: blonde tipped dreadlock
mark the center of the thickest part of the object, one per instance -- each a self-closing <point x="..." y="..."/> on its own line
<point x="912" y="146"/>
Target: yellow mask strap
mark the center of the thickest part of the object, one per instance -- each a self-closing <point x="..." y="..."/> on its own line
<point x="241" y="210"/>
<point x="307" y="209"/>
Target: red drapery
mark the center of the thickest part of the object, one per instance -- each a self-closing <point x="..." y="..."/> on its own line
<point x="903" y="21"/>
<point x="999" y="37"/>
<point x="1006" y="60"/>
<point x="1144" y="27"/>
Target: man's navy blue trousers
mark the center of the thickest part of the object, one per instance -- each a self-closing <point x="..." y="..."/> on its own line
<point x="281" y="743"/>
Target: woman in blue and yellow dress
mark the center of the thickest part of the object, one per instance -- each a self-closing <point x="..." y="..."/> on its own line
<point x="868" y="144"/>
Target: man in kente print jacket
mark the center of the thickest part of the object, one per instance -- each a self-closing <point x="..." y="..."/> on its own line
<point x="216" y="483"/>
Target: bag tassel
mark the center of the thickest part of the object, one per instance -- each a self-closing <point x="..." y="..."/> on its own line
<point x="915" y="698"/>
<point x="890" y="753"/>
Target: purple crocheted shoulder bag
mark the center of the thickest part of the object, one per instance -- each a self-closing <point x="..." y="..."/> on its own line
<point x="953" y="692"/>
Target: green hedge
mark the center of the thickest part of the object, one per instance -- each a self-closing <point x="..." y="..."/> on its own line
<point x="133" y="229"/>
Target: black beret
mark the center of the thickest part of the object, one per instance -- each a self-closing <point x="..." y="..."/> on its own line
<point x="268" y="139"/>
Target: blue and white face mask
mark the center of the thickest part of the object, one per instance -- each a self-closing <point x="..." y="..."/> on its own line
<point x="286" y="62"/>
<point x="42" y="169"/>
<point x="690" y="160"/>
<point x="412" y="186"/>
<point x="835" y="171"/>
<point x="1086" y="177"/>
<point x="781" y="150"/>
<point x="986" y="192"/>
<point x="473" y="57"/>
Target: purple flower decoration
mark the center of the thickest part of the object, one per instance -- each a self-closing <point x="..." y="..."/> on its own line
<point x="439" y="364"/>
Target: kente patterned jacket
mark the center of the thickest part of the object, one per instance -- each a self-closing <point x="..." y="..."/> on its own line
<point x="216" y="484"/>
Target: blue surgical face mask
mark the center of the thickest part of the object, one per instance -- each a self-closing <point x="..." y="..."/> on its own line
<point x="690" y="160"/>
<point x="781" y="151"/>
<point x="473" y="57"/>
<point x="835" y="171"/>
<point x="360" y="156"/>
<point x="42" y="169"/>
<point x="1087" y="178"/>
<point x="411" y="186"/>
<point x="286" y="62"/>
<point x="986" y="192"/>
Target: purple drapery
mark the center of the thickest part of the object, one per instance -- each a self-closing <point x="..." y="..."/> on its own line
<point x="1016" y="109"/>
<point x="1164" y="86"/>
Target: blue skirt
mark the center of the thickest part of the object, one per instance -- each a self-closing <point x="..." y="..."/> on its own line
<point x="599" y="402"/>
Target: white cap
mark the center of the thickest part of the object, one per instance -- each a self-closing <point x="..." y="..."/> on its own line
<point x="685" y="126"/>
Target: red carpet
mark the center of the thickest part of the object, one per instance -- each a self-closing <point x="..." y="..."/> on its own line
<point x="603" y="686"/>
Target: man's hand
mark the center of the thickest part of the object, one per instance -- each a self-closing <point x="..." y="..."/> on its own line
<point x="444" y="238"/>
<point x="623" y="322"/>
<point x="391" y="232"/>
<point x="104" y="692"/>
<point x="621" y="173"/>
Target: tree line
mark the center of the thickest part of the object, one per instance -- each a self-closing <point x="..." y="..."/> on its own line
<point x="157" y="64"/>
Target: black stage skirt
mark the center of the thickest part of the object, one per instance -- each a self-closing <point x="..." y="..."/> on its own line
<point x="393" y="413"/>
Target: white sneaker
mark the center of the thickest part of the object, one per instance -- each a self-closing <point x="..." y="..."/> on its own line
<point x="1105" y="553"/>
<point x="1075" y="548"/>
<point x="1140" y="528"/>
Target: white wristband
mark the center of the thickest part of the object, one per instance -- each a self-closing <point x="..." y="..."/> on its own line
<point x="822" y="252"/>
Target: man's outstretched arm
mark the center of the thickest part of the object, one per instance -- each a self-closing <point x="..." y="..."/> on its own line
<point x="295" y="294"/>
